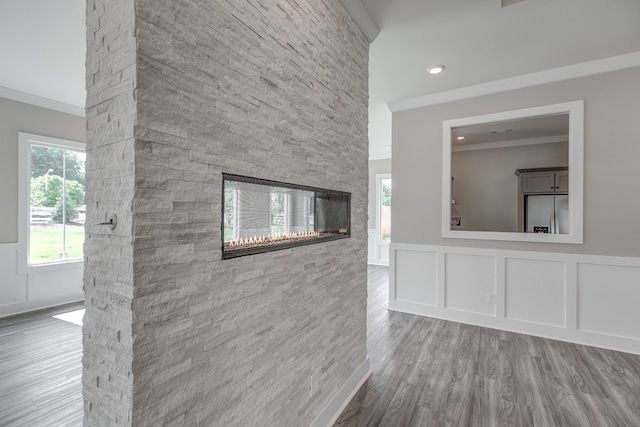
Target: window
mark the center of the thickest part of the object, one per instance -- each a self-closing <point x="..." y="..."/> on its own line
<point x="384" y="207"/>
<point x="52" y="207"/>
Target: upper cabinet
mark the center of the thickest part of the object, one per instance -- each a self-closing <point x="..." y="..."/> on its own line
<point x="544" y="180"/>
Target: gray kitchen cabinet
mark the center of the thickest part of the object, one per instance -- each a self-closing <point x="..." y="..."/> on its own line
<point x="543" y="181"/>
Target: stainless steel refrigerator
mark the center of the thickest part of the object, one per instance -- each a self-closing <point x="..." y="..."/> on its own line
<point x="547" y="214"/>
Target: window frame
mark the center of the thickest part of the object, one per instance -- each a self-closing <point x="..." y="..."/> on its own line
<point x="25" y="141"/>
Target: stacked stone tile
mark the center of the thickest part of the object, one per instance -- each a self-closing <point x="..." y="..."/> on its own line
<point x="109" y="255"/>
<point x="179" y="93"/>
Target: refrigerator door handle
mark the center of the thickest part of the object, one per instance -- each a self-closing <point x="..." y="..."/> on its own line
<point x="553" y="222"/>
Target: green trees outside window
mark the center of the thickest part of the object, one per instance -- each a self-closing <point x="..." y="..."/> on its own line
<point x="56" y="208"/>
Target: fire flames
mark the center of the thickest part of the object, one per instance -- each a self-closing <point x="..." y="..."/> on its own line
<point x="264" y="240"/>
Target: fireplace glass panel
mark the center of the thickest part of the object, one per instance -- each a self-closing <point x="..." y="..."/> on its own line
<point x="260" y="215"/>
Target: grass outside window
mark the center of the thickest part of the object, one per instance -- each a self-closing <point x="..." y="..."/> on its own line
<point x="45" y="243"/>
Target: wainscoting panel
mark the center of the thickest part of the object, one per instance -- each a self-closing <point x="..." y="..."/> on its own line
<point x="378" y="251"/>
<point x="586" y="299"/>
<point x="536" y="291"/>
<point x="469" y="279"/>
<point x="13" y="288"/>
<point x="609" y="299"/>
<point x="411" y="264"/>
<point x="41" y="287"/>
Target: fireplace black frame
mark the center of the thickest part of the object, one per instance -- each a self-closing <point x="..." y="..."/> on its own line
<point x="329" y="197"/>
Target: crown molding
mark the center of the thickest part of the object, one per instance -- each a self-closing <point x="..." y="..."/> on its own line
<point x="584" y="69"/>
<point x="39" y="101"/>
<point x="361" y="17"/>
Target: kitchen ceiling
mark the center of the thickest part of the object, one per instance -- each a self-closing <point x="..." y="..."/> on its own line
<point x="42" y="46"/>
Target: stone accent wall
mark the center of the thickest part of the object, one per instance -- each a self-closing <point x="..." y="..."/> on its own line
<point x="270" y="89"/>
<point x="109" y="280"/>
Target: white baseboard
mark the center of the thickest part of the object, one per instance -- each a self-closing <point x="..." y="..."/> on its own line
<point x="339" y="401"/>
<point x="584" y="299"/>
<point x="382" y="262"/>
<point x="40" y="304"/>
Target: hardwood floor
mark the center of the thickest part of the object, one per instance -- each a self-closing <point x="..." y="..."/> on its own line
<point x="426" y="372"/>
<point x="41" y="370"/>
<point x="430" y="372"/>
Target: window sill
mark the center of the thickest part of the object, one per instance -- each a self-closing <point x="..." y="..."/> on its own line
<point x="53" y="266"/>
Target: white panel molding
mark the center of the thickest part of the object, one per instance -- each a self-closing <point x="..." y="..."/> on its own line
<point x="8" y="247"/>
<point x="602" y="328"/>
<point x="372" y="248"/>
<point x="39" y="101"/>
<point x="584" y="69"/>
<point x="378" y="252"/>
<point x="341" y="398"/>
<point x="36" y="288"/>
<point x="531" y="284"/>
<point x="463" y="269"/>
<point x="417" y="264"/>
<point x="609" y="295"/>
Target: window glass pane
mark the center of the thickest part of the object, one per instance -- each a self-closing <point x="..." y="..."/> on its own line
<point x="230" y="214"/>
<point x="57" y="209"/>
<point x="385" y="209"/>
<point x="74" y="211"/>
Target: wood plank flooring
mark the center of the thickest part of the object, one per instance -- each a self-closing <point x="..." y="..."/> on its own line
<point x="41" y="370"/>
<point x="430" y="372"/>
<point x="426" y="372"/>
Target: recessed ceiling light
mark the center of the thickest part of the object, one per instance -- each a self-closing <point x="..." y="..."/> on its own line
<point x="388" y="147"/>
<point x="460" y="138"/>
<point x="435" y="69"/>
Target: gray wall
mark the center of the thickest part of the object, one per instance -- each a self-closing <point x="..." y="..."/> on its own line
<point x="375" y="167"/>
<point x="486" y="187"/>
<point x="19" y="117"/>
<point x="176" y="335"/>
<point x="611" y="150"/>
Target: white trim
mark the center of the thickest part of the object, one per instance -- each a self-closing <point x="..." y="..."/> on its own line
<point x="40" y="304"/>
<point x="576" y="144"/>
<point x="7" y="247"/>
<point x="512" y="143"/>
<point x="24" y="172"/>
<point x="604" y="335"/>
<point x="380" y="262"/>
<point x="39" y="101"/>
<point x="584" y="69"/>
<point x="361" y="17"/>
<point x="341" y="398"/>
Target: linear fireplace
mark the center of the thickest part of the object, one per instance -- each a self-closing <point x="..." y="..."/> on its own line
<point x="261" y="215"/>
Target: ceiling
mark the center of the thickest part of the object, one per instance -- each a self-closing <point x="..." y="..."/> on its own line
<point x="528" y="129"/>
<point x="42" y="49"/>
<point x="42" y="46"/>
<point x="479" y="42"/>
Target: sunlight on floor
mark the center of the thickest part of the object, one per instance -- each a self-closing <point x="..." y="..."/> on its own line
<point x="72" y="316"/>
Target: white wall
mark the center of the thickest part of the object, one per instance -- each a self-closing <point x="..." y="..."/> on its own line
<point x="44" y="286"/>
<point x="579" y="293"/>
<point x="378" y="250"/>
